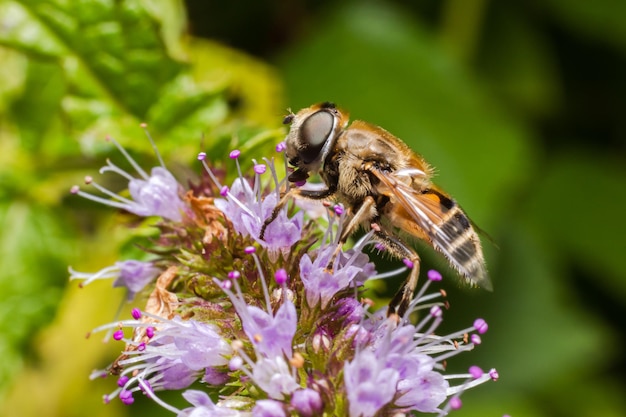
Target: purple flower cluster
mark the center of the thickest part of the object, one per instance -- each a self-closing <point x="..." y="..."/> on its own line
<point x="301" y="343"/>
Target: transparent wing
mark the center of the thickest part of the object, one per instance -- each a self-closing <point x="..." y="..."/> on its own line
<point x="440" y="220"/>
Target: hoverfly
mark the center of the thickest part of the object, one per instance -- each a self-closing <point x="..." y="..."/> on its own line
<point x="384" y="185"/>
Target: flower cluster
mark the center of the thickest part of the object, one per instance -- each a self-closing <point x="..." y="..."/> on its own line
<point x="277" y="326"/>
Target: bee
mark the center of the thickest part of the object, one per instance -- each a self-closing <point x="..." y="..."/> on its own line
<point x="384" y="186"/>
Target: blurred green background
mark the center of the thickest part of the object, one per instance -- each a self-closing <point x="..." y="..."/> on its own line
<point x="520" y="105"/>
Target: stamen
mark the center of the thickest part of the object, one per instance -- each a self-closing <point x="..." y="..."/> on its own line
<point x="270" y="163"/>
<point x="263" y="283"/>
<point x="281" y="276"/>
<point x="434" y="275"/>
<point x="144" y="126"/>
<point x="136" y="313"/>
<point x="481" y="326"/>
<point x="388" y="274"/>
<point x="235" y="155"/>
<point x="134" y="164"/>
<point x="455" y="403"/>
<point x="162" y="403"/>
<point x="201" y="158"/>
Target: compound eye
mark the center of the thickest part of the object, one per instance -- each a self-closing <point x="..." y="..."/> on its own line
<point x="314" y="133"/>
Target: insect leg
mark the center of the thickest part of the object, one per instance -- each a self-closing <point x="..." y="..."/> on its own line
<point x="400" y="302"/>
<point x="294" y="193"/>
<point x="363" y="213"/>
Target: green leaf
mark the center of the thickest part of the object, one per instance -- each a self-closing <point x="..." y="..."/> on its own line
<point x="117" y="42"/>
<point x="599" y="19"/>
<point x="536" y="326"/>
<point x="35" y="247"/>
<point x="578" y="204"/>
<point x="519" y="64"/>
<point x="39" y="105"/>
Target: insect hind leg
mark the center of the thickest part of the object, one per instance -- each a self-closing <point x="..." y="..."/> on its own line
<point x="402" y="299"/>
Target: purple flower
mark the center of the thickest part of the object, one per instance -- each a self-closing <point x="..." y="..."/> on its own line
<point x="157" y="194"/>
<point x="268" y="408"/>
<point x="135" y="275"/>
<point x="270" y="333"/>
<point x="132" y="275"/>
<point x="204" y="407"/>
<point x="320" y="284"/>
<point x="370" y="385"/>
<point x="307" y="402"/>
<point x="274" y="376"/>
<point x="247" y="209"/>
<point x="303" y="343"/>
<point x="171" y="373"/>
<point x="200" y="344"/>
<point x="175" y="355"/>
<point x="420" y="387"/>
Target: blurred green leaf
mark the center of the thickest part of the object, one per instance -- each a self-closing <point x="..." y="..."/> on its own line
<point x="519" y="64"/>
<point x="538" y="334"/>
<point x="43" y="91"/>
<point x="599" y="19"/>
<point x="35" y="246"/>
<point x="578" y="203"/>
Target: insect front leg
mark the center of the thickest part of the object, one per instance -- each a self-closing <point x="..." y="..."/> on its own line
<point x="366" y="211"/>
<point x="400" y="302"/>
<point x="294" y="193"/>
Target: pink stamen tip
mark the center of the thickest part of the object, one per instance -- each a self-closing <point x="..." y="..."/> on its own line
<point x="75" y="189"/>
<point x="475" y="339"/>
<point x="300" y="183"/>
<point x="136" y="313"/>
<point x="143" y="125"/>
<point x="122" y="380"/>
<point x="234" y="274"/>
<point x="107" y="138"/>
<point x="409" y="263"/>
<point x="494" y="374"/>
<point x="150" y="332"/>
<point x="201" y="156"/>
<point x="141" y="346"/>
<point x="281" y="147"/>
<point x="88" y="179"/>
<point x="260" y="169"/>
<point x="224" y="191"/>
<point x="434" y="275"/>
<point x="226" y="285"/>
<point x="338" y="209"/>
<point x="455" y="403"/>
<point x="481" y="326"/>
<point x="249" y="250"/>
<point x="475" y="371"/>
<point x="118" y="335"/>
<point x="435" y="311"/>
<point x="281" y="276"/>
<point x="234" y="154"/>
<point x="126" y="397"/>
